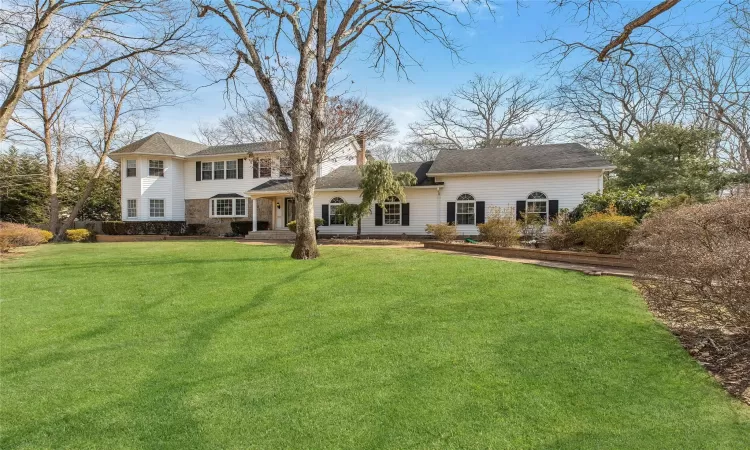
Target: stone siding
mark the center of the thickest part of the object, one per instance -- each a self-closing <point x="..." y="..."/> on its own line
<point x="196" y="212"/>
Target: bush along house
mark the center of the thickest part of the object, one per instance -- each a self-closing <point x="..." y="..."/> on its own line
<point x="165" y="178"/>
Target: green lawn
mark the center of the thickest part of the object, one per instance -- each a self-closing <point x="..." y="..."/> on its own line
<point x="221" y="345"/>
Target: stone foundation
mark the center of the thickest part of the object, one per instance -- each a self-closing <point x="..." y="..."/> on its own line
<point x="197" y="212"/>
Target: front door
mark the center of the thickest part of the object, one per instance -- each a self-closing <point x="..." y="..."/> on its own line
<point x="289" y="212"/>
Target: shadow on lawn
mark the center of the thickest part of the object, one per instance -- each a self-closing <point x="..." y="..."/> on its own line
<point x="160" y="412"/>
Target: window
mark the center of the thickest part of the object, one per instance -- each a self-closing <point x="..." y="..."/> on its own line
<point x="206" y="172"/>
<point x="285" y="167"/>
<point x="223" y="207"/>
<point x="228" y="207"/>
<point x="465" y="207"/>
<point x="132" y="208"/>
<point x="239" y="207"/>
<point x="130" y="168"/>
<point x="264" y="168"/>
<point x="333" y="217"/>
<point x="536" y="206"/>
<point x="219" y="170"/>
<point x="156" y="208"/>
<point x="155" y="168"/>
<point x="231" y="170"/>
<point x="392" y="211"/>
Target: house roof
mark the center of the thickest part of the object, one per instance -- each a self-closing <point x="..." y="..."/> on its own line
<point x="168" y="145"/>
<point x="517" y="159"/>
<point x="347" y="177"/>
<point x="160" y="144"/>
<point x="228" y="196"/>
<point x="234" y="149"/>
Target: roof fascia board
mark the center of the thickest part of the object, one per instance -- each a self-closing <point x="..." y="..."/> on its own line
<point x="502" y="172"/>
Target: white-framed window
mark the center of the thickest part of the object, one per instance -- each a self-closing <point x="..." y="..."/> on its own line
<point x="285" y="167"/>
<point x="130" y="168"/>
<point x="537" y="205"/>
<point x="228" y="207"/>
<point x="333" y="217"/>
<point x="207" y="171"/>
<point x="132" y="208"/>
<point x="218" y="170"/>
<point x="466" y="210"/>
<point x="156" y="207"/>
<point x="155" y="168"/>
<point x="264" y="167"/>
<point x="392" y="211"/>
<point x="231" y="169"/>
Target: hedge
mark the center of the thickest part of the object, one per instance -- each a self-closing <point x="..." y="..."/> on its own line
<point x="242" y="227"/>
<point x="169" y="227"/>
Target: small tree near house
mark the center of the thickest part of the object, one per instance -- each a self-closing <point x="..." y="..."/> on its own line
<point x="378" y="183"/>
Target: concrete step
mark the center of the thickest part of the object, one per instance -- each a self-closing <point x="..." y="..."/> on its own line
<point x="270" y="235"/>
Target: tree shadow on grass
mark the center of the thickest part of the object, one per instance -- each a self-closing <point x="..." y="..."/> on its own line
<point x="161" y="416"/>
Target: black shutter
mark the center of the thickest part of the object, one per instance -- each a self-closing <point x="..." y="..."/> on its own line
<point x="480" y="212"/>
<point x="197" y="171"/>
<point x="405" y="214"/>
<point x="554" y="207"/>
<point x="451" y="212"/>
<point x="240" y="171"/>
<point x="325" y="215"/>
<point x="378" y="216"/>
<point x="255" y="168"/>
<point x="520" y="209"/>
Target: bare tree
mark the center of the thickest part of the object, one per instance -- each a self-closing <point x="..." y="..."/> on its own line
<point x="488" y="111"/>
<point x="611" y="105"/>
<point x="298" y="46"/>
<point x="44" y="120"/>
<point x="120" y="101"/>
<point x="81" y="37"/>
<point x="345" y="118"/>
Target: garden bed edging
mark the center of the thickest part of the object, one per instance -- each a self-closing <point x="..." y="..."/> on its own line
<point x="593" y="259"/>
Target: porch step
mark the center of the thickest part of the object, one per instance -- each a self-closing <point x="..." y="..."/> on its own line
<point x="270" y="235"/>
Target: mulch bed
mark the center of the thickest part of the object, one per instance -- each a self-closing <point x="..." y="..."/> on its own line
<point x="725" y="356"/>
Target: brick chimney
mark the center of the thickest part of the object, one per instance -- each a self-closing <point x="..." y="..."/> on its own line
<point x="362" y="150"/>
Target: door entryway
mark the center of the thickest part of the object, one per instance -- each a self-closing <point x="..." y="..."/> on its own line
<point x="289" y="212"/>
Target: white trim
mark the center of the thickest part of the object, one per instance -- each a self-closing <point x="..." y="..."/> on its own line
<point x="164" y="208"/>
<point x="386" y="203"/>
<point x="545" y="200"/>
<point x="331" y="214"/>
<point x="500" y="172"/>
<point x="127" y="208"/>
<point x="233" y="200"/>
<point x="473" y="202"/>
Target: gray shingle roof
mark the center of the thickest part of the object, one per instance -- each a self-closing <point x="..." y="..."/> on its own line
<point x="161" y="144"/>
<point x="278" y="185"/>
<point x="232" y="149"/>
<point x="511" y="159"/>
<point x="168" y="145"/>
<point x="347" y="177"/>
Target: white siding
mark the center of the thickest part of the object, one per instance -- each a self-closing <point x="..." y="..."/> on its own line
<point x="428" y="205"/>
<point x="142" y="188"/>
<point x="347" y="156"/>
<point x="208" y="188"/>
<point x="130" y="188"/>
<point x="504" y="190"/>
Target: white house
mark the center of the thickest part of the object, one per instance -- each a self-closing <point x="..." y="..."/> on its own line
<point x="168" y="178"/>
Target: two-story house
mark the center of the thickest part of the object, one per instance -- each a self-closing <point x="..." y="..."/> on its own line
<point x="168" y="178"/>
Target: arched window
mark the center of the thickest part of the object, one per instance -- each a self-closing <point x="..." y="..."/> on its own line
<point x="392" y="211"/>
<point x="333" y="217"/>
<point x="537" y="205"/>
<point x="465" y="210"/>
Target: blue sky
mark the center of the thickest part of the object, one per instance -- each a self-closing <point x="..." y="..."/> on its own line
<point x="505" y="44"/>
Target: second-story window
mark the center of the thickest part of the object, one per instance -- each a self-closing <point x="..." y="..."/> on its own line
<point x="219" y="170"/>
<point x="264" y="168"/>
<point x="231" y="169"/>
<point x="130" y="168"/>
<point x="285" y="167"/>
<point x="206" y="171"/>
<point x="155" y="168"/>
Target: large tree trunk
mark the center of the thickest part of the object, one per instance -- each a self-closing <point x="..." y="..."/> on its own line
<point x="305" y="244"/>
